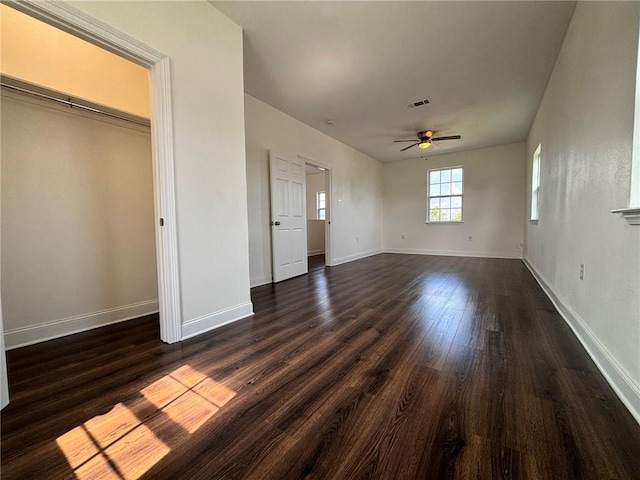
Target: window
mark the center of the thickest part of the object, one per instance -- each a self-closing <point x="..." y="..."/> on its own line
<point x="632" y="212"/>
<point x="445" y="195"/>
<point x="535" y="183"/>
<point x="321" y="205"/>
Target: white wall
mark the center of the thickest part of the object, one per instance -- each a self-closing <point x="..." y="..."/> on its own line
<point x="205" y="51"/>
<point x="585" y="125"/>
<point x="493" y="204"/>
<point x="357" y="186"/>
<point x="78" y="239"/>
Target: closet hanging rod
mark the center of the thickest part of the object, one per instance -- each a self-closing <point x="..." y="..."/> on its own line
<point x="23" y="88"/>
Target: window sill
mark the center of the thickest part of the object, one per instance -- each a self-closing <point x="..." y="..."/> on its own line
<point x="631" y="214"/>
<point x="443" y="223"/>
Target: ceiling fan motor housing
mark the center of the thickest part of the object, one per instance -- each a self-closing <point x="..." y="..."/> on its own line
<point x="426" y="135"/>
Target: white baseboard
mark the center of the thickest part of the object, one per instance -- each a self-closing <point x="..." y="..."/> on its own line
<point x="355" y="256"/>
<point x="625" y="387"/>
<point x="210" y="321"/>
<point x="311" y="253"/>
<point x="258" y="281"/>
<point x="453" y="253"/>
<point x="22" y="336"/>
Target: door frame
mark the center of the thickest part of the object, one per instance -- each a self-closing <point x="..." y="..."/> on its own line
<point x="81" y="25"/>
<point x="328" y="225"/>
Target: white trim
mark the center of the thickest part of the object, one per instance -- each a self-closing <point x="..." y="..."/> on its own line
<point x="625" y="387"/>
<point x="22" y="336"/>
<point x="259" y="281"/>
<point x="311" y="253"/>
<point x="217" y="319"/>
<point x="631" y="215"/>
<point x="67" y="18"/>
<point x="164" y="191"/>
<point x="452" y="253"/>
<point x="356" y="256"/>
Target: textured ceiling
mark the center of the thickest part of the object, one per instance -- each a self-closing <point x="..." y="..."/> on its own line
<point x="483" y="66"/>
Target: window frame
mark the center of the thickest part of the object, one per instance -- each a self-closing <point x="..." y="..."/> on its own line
<point x="632" y="212"/>
<point x="536" y="161"/>
<point x="318" y="208"/>
<point x="429" y="196"/>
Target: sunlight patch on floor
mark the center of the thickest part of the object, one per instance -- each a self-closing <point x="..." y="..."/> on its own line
<point x="114" y="445"/>
<point x="188" y="397"/>
<point x="119" y="445"/>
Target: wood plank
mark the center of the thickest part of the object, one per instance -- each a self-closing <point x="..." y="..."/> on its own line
<point x="393" y="366"/>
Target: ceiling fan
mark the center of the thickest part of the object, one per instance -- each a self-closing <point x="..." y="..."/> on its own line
<point x="425" y="138"/>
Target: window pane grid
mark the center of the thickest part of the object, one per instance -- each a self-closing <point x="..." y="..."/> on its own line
<point x="321" y="205"/>
<point x="535" y="183"/>
<point x="445" y="195"/>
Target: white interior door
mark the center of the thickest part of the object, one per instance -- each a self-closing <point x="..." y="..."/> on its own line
<point x="288" y="217"/>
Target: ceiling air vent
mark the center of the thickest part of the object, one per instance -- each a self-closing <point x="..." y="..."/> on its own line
<point x="419" y="103"/>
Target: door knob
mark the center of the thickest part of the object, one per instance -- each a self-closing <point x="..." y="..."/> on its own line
<point x="275" y="223"/>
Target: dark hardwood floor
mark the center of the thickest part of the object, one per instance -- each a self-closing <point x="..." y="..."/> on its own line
<point x="316" y="262"/>
<point x="391" y="367"/>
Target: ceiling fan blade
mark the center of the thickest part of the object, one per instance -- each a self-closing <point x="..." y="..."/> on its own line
<point x="451" y="137"/>
<point x="396" y="141"/>
<point x="407" y="148"/>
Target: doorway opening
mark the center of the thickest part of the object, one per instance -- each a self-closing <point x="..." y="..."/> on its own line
<point x="70" y="20"/>
<point x="77" y="185"/>
<point x="318" y="207"/>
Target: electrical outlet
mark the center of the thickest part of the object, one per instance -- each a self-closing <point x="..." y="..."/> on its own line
<point x="582" y="271"/>
<point x="403" y="237"/>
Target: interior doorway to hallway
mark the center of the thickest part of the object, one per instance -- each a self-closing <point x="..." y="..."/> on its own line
<point x="318" y="206"/>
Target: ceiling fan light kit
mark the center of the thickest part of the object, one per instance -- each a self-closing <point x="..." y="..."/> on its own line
<point x="425" y="138"/>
